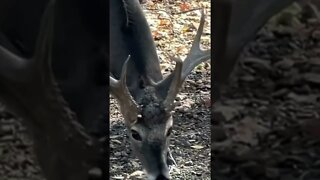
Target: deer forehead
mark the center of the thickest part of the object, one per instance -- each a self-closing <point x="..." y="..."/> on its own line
<point x="157" y="134"/>
<point x="153" y="112"/>
<point x="149" y="129"/>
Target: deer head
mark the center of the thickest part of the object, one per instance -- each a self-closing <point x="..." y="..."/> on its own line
<point x="148" y="116"/>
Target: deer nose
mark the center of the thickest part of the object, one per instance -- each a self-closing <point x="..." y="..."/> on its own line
<point x="162" y="177"/>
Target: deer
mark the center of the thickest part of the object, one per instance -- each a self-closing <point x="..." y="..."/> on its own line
<point x="36" y="80"/>
<point x="237" y="23"/>
<point x="33" y="87"/>
<point x="79" y="51"/>
<point x="145" y="97"/>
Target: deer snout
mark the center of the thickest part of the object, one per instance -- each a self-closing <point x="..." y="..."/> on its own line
<point x="159" y="174"/>
<point x="164" y="176"/>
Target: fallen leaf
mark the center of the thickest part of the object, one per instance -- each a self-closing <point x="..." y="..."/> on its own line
<point x="248" y="129"/>
<point x="117" y="177"/>
<point x="164" y="22"/>
<point x="197" y="147"/>
<point x="185" y="6"/>
<point x="136" y="173"/>
<point x="312" y="78"/>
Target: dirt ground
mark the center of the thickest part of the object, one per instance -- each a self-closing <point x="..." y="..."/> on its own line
<point x="270" y="110"/>
<point x="191" y="134"/>
<point x="16" y="153"/>
<point x="268" y="121"/>
<point x="190" y="144"/>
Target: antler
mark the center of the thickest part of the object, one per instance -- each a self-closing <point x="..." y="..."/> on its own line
<point x="167" y="88"/>
<point x="28" y="88"/>
<point x="120" y="90"/>
<point x="12" y="64"/>
<point x="43" y="50"/>
<point x="175" y="84"/>
<point x="174" y="81"/>
<point x="196" y="54"/>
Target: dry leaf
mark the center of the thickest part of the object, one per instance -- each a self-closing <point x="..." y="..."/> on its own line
<point x="156" y="35"/>
<point x="118" y="177"/>
<point x="116" y="141"/>
<point x="136" y="173"/>
<point x="164" y="22"/>
<point x="197" y="147"/>
<point x="185" y="6"/>
<point x="207" y="102"/>
<point x="181" y="49"/>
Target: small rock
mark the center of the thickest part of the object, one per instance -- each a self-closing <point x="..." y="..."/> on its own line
<point x="284" y="64"/>
<point x="316" y="35"/>
<point x="272" y="173"/>
<point x="189" y="163"/>
<point x="312" y="78"/>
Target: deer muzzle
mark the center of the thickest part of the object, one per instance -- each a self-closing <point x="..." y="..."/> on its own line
<point x="162" y="176"/>
<point x="155" y="164"/>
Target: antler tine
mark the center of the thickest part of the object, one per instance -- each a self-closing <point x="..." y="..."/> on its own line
<point x="15" y="68"/>
<point x="175" y="84"/>
<point x="196" y="54"/>
<point x="119" y="87"/>
<point x="169" y="87"/>
<point x="43" y="50"/>
<point x="121" y="92"/>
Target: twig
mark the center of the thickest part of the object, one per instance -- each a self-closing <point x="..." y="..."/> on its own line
<point x="183" y="12"/>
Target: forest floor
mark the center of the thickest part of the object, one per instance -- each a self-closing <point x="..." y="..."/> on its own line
<point x="191" y="134"/>
<point x="270" y="110"/>
<point x="268" y="119"/>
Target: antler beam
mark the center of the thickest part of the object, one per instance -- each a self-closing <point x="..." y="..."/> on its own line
<point x="63" y="148"/>
<point x="120" y="90"/>
<point x="183" y="68"/>
<point x="196" y="54"/>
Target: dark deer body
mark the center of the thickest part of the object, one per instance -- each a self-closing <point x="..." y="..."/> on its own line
<point x="130" y="34"/>
<point x="236" y="23"/>
<point x="135" y="39"/>
<point x="79" y="51"/>
<point x="29" y="48"/>
<point x="145" y="97"/>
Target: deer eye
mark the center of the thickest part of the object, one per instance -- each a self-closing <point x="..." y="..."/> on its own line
<point x="139" y="118"/>
<point x="135" y="135"/>
<point x="169" y="131"/>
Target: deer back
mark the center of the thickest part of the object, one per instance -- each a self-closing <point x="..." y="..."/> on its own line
<point x="130" y="35"/>
<point x="79" y="51"/>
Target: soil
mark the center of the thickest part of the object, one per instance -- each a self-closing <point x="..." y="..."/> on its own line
<point x="269" y="113"/>
<point x="17" y="160"/>
<point x="268" y="124"/>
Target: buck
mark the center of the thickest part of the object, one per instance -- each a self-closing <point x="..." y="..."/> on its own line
<point x="51" y="69"/>
<point x="235" y="24"/>
<point x="146" y="99"/>
<point x="52" y="64"/>
<point x="79" y="51"/>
